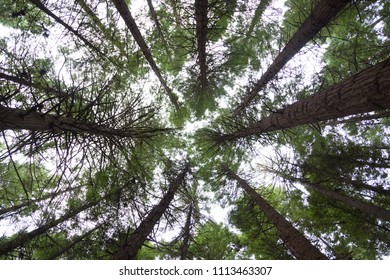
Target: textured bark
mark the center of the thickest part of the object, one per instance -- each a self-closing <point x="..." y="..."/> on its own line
<point x="367" y="208"/>
<point x="186" y="235"/>
<point x="23" y="238"/>
<point x="295" y="241"/>
<point x="201" y="38"/>
<point x="124" y="11"/>
<point x="42" y="7"/>
<point x="322" y="14"/>
<point x="364" y="92"/>
<point x="135" y="241"/>
<point x="17" y="119"/>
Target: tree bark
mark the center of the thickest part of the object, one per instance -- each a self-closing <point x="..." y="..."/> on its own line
<point x="17" y="119"/>
<point x="124" y="11"/>
<point x="295" y="241"/>
<point x="186" y="235"/>
<point x="201" y="38"/>
<point x="367" y="208"/>
<point x="41" y="6"/>
<point x="23" y="238"/>
<point x="364" y="92"/>
<point x="322" y="14"/>
<point x="134" y="243"/>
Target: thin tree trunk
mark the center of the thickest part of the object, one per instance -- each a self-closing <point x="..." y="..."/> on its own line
<point x="124" y="11"/>
<point x="106" y="32"/>
<point x="186" y="235"/>
<point x="295" y="241"/>
<point x="365" y="207"/>
<point x="322" y="14"/>
<point x="364" y="92"/>
<point x="258" y="13"/>
<point x="30" y="202"/>
<point x="16" y="119"/>
<point x="201" y="38"/>
<point x="153" y="13"/>
<point x="42" y="7"/>
<point x="135" y="241"/>
<point x="23" y="238"/>
<point x="73" y="243"/>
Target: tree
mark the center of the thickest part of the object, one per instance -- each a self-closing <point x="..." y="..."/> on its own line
<point x="322" y="14"/>
<point x="135" y="241"/>
<point x="300" y="247"/>
<point x="357" y="94"/>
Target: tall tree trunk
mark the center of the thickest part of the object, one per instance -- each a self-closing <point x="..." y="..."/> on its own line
<point x="365" y="207"/>
<point x="73" y="243"/>
<point x="106" y="32"/>
<point x="135" y="241"/>
<point x="256" y="18"/>
<point x="322" y="14"/>
<point x="186" y="235"/>
<point x="124" y="11"/>
<point x="33" y="201"/>
<point x="201" y="38"/>
<point x="295" y="241"/>
<point x="364" y="92"/>
<point x="153" y="13"/>
<point x="16" y="119"/>
<point x="23" y="238"/>
<point x="42" y="7"/>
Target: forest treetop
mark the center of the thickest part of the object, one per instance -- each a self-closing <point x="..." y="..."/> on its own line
<point x="125" y="122"/>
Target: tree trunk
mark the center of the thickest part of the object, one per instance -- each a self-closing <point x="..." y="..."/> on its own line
<point x="201" y="38"/>
<point x="322" y="14"/>
<point x="73" y="243"/>
<point x="23" y="238"/>
<point x="186" y="235"/>
<point x="41" y="6"/>
<point x="295" y="241"/>
<point x="365" y="207"/>
<point x="30" y="202"/>
<point x="124" y="11"/>
<point x="16" y="119"/>
<point x="153" y="13"/>
<point x="106" y="32"/>
<point x="258" y="13"/>
<point x="135" y="241"/>
<point x="364" y="92"/>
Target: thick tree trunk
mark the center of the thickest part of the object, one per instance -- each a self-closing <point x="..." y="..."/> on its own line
<point x="322" y="14"/>
<point x="295" y="241"/>
<point x="201" y="38"/>
<point x="17" y="119"/>
<point x="135" y="241"/>
<point x="367" y="208"/>
<point x="42" y="7"/>
<point x="186" y="235"/>
<point x="23" y="238"/>
<point x="124" y="11"/>
<point x="364" y="92"/>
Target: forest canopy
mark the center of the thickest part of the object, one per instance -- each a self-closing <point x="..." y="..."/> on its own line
<point x="127" y="126"/>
